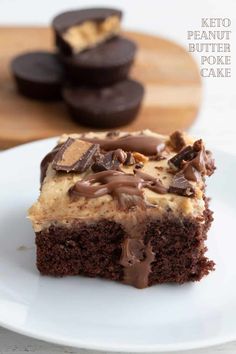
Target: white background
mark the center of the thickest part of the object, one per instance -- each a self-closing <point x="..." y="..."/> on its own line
<point x="171" y="19"/>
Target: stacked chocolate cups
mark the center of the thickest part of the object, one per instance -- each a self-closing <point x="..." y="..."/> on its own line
<point x="95" y="60"/>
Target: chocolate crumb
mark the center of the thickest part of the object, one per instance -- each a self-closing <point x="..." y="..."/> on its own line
<point x="113" y="134"/>
<point x="186" y="154"/>
<point x="156" y="158"/>
<point x="160" y="168"/>
<point x="109" y="161"/>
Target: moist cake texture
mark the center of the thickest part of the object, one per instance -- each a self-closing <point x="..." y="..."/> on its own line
<point x="129" y="207"/>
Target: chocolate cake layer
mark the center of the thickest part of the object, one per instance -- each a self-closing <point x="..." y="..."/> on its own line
<point x="97" y="250"/>
<point x="126" y="207"/>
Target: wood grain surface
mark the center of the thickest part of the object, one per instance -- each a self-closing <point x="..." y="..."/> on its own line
<point x="170" y="75"/>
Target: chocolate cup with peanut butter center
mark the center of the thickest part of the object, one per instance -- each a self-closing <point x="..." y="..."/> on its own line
<point x="106" y="107"/>
<point x="102" y="65"/>
<point x="79" y="30"/>
<point x="38" y="75"/>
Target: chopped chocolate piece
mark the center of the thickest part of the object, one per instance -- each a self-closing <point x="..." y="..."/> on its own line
<point x="75" y="156"/>
<point x="191" y="173"/>
<point x="181" y="186"/>
<point x="120" y="155"/>
<point x="129" y="160"/>
<point x="198" y="145"/>
<point x="177" y="141"/>
<point x="193" y="161"/>
<point x="203" y="162"/>
<point x="109" y="161"/>
<point x="186" y="154"/>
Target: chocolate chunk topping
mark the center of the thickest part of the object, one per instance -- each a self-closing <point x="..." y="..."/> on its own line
<point x="186" y="154"/>
<point x="129" y="159"/>
<point x="177" y="141"/>
<point x="109" y="161"/>
<point x="120" y="155"/>
<point x="136" y="258"/>
<point x="194" y="161"/>
<point x="191" y="173"/>
<point x="181" y="186"/>
<point x="75" y="156"/>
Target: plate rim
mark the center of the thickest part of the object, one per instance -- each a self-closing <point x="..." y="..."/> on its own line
<point x="80" y="344"/>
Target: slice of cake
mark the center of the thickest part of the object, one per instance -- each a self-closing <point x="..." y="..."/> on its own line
<point x="129" y="207"/>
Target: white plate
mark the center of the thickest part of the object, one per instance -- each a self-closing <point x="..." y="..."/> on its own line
<point x="97" y="314"/>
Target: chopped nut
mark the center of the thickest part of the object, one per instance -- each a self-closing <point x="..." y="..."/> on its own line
<point x="140" y="157"/>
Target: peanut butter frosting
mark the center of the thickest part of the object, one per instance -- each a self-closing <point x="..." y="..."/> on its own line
<point x="158" y="174"/>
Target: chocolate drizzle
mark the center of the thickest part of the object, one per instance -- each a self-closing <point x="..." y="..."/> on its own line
<point x="136" y="258"/>
<point x="122" y="186"/>
<point x="152" y="183"/>
<point x="147" y="145"/>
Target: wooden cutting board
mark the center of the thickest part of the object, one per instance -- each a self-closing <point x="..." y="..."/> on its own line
<point x="170" y="75"/>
